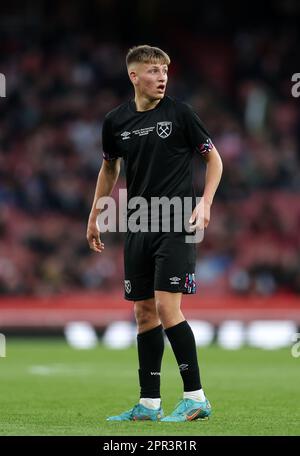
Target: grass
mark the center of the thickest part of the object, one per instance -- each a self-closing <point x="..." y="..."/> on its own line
<point x="48" y="388"/>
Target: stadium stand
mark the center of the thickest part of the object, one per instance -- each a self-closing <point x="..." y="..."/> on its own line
<point x="62" y="79"/>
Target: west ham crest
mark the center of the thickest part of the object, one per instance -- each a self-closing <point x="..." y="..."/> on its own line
<point x="164" y="129"/>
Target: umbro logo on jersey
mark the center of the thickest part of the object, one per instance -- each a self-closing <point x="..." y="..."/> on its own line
<point x="175" y="280"/>
<point x="164" y="129"/>
<point x="125" y="135"/>
<point x="127" y="284"/>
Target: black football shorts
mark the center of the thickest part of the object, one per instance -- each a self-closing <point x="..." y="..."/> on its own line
<point x="158" y="261"/>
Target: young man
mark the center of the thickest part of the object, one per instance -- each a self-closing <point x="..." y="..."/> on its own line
<point x="157" y="137"/>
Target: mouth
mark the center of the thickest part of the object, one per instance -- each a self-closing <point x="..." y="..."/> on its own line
<point x="161" y="87"/>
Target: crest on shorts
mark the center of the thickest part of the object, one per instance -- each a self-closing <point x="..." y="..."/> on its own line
<point x="164" y="129"/>
<point x="127" y="286"/>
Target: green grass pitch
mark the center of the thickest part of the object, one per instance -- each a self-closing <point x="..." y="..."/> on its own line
<point x="48" y="388"/>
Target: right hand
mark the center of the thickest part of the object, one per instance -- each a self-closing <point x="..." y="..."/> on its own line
<point x="93" y="237"/>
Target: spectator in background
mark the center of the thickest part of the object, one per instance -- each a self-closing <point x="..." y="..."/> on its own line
<point x="60" y="84"/>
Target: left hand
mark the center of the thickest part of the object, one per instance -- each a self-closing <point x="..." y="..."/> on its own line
<point x="201" y="216"/>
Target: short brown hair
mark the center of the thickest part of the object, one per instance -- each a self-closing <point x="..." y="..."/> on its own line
<point x="147" y="54"/>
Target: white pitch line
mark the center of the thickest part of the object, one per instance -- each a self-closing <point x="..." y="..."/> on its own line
<point x="58" y="369"/>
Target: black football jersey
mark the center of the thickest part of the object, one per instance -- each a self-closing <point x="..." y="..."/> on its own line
<point x="157" y="147"/>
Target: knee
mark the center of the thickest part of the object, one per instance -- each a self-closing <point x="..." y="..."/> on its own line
<point x="168" y="310"/>
<point x="161" y="308"/>
<point x="145" y="313"/>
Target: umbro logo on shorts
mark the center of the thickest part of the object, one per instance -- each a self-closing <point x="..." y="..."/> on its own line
<point x="127" y="284"/>
<point x="174" y="280"/>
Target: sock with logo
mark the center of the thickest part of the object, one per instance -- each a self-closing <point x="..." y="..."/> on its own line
<point x="150" y="346"/>
<point x="182" y="341"/>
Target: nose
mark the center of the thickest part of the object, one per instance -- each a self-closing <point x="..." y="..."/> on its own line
<point x="162" y="76"/>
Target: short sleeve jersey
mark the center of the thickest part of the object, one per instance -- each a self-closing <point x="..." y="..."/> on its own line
<point x="157" y="147"/>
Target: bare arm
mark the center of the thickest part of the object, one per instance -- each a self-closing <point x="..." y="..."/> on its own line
<point x="107" y="178"/>
<point x="214" y="169"/>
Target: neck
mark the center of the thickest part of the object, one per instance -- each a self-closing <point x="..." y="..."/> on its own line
<point x="144" y="104"/>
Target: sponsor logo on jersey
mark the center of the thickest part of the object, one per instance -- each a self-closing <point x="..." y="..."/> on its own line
<point x="164" y="129"/>
<point x="127" y="286"/>
<point x="175" y="280"/>
<point x="143" y="131"/>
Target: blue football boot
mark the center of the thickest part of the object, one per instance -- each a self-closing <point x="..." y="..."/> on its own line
<point x="189" y="410"/>
<point x="138" y="413"/>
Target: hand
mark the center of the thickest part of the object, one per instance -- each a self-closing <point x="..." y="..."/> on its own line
<point x="93" y="236"/>
<point x="201" y="216"/>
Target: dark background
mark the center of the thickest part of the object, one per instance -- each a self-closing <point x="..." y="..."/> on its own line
<point x="64" y="64"/>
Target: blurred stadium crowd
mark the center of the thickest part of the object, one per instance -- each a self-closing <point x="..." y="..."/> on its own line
<point x="60" y="84"/>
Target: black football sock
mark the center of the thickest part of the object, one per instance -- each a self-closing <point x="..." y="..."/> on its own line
<point x="182" y="341"/>
<point x="150" y="346"/>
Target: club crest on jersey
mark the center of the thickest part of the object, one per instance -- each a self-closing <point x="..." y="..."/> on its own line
<point x="164" y="129"/>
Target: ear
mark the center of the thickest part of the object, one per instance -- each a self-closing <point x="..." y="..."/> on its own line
<point x="133" y="76"/>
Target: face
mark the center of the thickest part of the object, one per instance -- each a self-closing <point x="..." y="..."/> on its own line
<point x="149" y="79"/>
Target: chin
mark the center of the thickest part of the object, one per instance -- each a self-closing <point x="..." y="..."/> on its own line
<point x="156" y="96"/>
